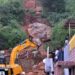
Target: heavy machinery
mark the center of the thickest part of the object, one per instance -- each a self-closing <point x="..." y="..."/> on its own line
<point x="39" y="33"/>
<point x="12" y="68"/>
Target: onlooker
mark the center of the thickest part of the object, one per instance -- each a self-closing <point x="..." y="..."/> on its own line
<point x="56" y="55"/>
<point x="61" y="54"/>
<point x="48" y="62"/>
<point x="48" y="65"/>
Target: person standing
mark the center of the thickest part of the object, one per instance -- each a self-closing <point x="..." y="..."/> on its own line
<point x="48" y="64"/>
<point x="61" y="54"/>
<point x="56" y="55"/>
<point x="66" y="55"/>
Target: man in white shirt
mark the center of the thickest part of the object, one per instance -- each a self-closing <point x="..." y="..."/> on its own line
<point x="48" y="62"/>
<point x="56" y="55"/>
<point x="48" y="65"/>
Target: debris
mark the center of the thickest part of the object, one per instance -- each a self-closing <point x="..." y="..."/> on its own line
<point x="39" y="31"/>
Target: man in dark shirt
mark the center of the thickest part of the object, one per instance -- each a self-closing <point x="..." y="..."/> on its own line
<point x="61" y="55"/>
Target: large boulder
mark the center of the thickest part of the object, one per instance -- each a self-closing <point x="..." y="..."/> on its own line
<point x="39" y="32"/>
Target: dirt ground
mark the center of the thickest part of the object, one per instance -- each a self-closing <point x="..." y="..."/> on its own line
<point x="28" y="63"/>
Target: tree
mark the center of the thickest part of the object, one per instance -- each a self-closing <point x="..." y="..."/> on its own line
<point x="11" y="11"/>
<point x="11" y="37"/>
<point x="58" y="36"/>
<point x="54" y="5"/>
<point x="11" y="19"/>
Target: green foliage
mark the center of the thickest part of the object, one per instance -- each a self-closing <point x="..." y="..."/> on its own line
<point x="12" y="14"/>
<point x="11" y="19"/>
<point x="70" y="5"/>
<point x="53" y="5"/>
<point x="59" y="34"/>
<point x="3" y="2"/>
<point x="11" y="11"/>
<point x="55" y="17"/>
<point x="66" y="9"/>
<point x="11" y="36"/>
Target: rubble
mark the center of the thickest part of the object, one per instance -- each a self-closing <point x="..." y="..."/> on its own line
<point x="39" y="32"/>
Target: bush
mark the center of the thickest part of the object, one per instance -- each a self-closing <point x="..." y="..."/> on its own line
<point x="59" y="33"/>
<point x="11" y="19"/>
<point x="11" y="37"/>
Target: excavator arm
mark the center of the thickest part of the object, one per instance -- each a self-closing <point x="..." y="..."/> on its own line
<point x="27" y="43"/>
<point x="14" y="68"/>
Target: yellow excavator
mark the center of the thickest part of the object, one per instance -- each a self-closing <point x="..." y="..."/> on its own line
<point x="12" y="68"/>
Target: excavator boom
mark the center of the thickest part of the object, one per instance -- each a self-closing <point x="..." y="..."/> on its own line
<point x="27" y="43"/>
<point x="12" y="68"/>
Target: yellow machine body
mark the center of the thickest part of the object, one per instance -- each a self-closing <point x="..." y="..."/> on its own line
<point x="16" y="69"/>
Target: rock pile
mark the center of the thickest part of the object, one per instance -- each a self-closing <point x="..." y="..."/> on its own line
<point x="39" y="32"/>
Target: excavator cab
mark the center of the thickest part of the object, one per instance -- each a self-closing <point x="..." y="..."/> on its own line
<point x="4" y="69"/>
<point x="2" y="57"/>
<point x="2" y="60"/>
